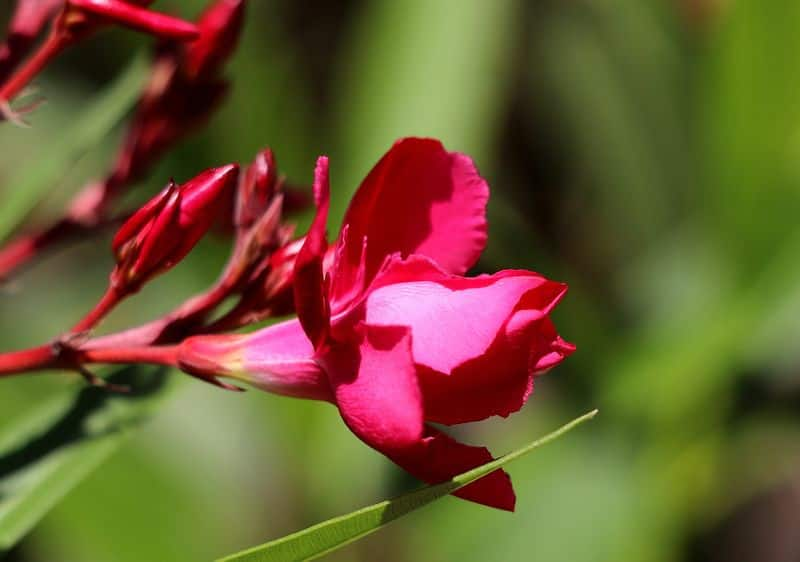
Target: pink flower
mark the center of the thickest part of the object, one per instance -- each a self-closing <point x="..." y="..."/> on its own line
<point x="391" y="331"/>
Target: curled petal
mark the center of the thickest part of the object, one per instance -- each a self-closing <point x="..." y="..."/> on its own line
<point x="499" y="382"/>
<point x="375" y="384"/>
<point x="477" y="342"/>
<point x="310" y="292"/>
<point x="419" y="199"/>
<point x="438" y="457"/>
<point x="453" y="319"/>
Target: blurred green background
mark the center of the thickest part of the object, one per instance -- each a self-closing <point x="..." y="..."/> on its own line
<point x="645" y="152"/>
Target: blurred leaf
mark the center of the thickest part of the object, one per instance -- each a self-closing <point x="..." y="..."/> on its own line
<point x="335" y="533"/>
<point x="34" y="179"/>
<point x="421" y="68"/>
<point x="45" y="454"/>
<point x="608" y="100"/>
<point x="749" y="124"/>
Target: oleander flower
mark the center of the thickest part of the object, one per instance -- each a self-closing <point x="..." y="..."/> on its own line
<point x="390" y="330"/>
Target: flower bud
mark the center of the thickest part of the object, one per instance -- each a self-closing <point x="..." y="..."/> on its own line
<point x="257" y="189"/>
<point x="183" y="90"/>
<point x="166" y="228"/>
<point x="219" y="27"/>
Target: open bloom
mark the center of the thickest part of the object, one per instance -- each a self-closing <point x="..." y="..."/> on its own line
<point x="391" y="331"/>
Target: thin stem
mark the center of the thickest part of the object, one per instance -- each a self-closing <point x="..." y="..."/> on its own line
<point x="26" y="360"/>
<point x="21" y="250"/>
<point x="155" y="355"/>
<point x="52" y="46"/>
<point x="48" y="357"/>
<point x="105" y="305"/>
<point x="185" y="320"/>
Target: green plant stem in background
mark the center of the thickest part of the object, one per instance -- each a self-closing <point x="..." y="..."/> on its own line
<point x="333" y="534"/>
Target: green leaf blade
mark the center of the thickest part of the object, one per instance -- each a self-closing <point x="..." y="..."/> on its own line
<point x="335" y="533"/>
<point x="51" y="450"/>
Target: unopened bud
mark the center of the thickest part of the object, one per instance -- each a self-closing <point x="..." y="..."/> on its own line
<point x="219" y="27"/>
<point x="167" y="227"/>
<point x="257" y="189"/>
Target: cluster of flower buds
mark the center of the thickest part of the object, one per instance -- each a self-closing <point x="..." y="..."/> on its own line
<point x="258" y="275"/>
<point x="184" y="88"/>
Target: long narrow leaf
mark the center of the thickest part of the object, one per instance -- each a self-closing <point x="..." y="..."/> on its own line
<point x="330" y="535"/>
<point x="47" y="453"/>
<point x="27" y="187"/>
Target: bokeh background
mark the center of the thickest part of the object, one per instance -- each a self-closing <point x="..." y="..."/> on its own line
<point x="645" y="152"/>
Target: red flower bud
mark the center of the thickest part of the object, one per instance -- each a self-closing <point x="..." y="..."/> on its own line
<point x="183" y="90"/>
<point x="219" y="27"/>
<point x="166" y="228"/>
<point x="132" y="15"/>
<point x="256" y="190"/>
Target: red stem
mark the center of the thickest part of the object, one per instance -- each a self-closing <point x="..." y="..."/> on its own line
<point x="48" y="357"/>
<point x="156" y="355"/>
<point x="52" y="46"/>
<point x="19" y="251"/>
<point x="174" y="326"/>
<point x="106" y="304"/>
<point x="33" y="359"/>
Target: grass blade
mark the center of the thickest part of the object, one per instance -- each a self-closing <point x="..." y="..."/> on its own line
<point x="333" y="534"/>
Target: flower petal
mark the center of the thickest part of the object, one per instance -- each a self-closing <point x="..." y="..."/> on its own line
<point x="376" y="389"/>
<point x="438" y="457"/>
<point x="419" y="199"/>
<point x="310" y="292"/>
<point x="453" y="319"/>
<point x="278" y="359"/>
<point x="499" y="382"/>
<point x="477" y="342"/>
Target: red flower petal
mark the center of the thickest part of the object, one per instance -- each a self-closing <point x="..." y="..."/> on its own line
<point x="375" y="384"/>
<point x="418" y="199"/>
<point x="438" y="457"/>
<point x="453" y="319"/>
<point x="310" y="292"/>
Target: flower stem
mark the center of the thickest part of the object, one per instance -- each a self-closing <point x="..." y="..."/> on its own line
<point x="185" y="320"/>
<point x="106" y="304"/>
<point x="33" y="359"/>
<point x="52" y="46"/>
<point x="154" y="355"/>
<point x="49" y="357"/>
